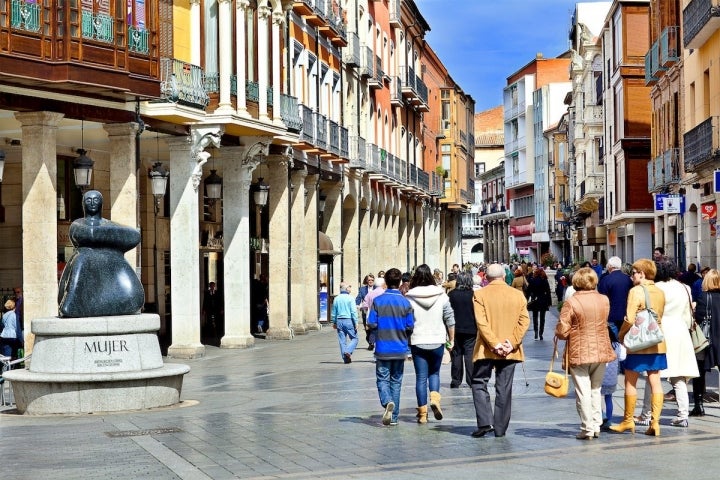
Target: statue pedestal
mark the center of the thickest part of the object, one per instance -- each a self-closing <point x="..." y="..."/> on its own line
<point x="96" y="364"/>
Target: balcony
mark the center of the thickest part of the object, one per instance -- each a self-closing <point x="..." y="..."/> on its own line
<point x="357" y="152"/>
<point x="334" y="29"/>
<point x="670" y="46"/>
<point x="290" y="113"/>
<point x="651" y="175"/>
<point x="373" y="158"/>
<point x="395" y="13"/>
<point x="701" y="18"/>
<point x="592" y="186"/>
<point x="396" y="98"/>
<point x="334" y="135"/>
<point x="367" y="62"/>
<point x="70" y="49"/>
<point x="312" y="11"/>
<point x="514" y="110"/>
<point x="344" y="143"/>
<point x="593" y="115"/>
<point x="351" y="53"/>
<point x="653" y="69"/>
<point x="701" y="145"/>
<point x="414" y="89"/>
<point x="183" y="83"/>
<point x="513" y="145"/>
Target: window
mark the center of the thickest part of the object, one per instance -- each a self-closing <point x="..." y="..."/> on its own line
<point x="97" y="21"/>
<point x="212" y="42"/>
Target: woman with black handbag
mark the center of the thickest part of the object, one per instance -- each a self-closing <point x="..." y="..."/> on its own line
<point x="539" y="300"/>
<point x="707" y="315"/>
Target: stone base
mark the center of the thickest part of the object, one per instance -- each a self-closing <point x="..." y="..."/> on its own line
<point x="313" y="327"/>
<point x="237" y="341"/>
<point x="96" y="364"/>
<point x="193" y="350"/>
<point x="299" y="328"/>
<point x="47" y="394"/>
<point x="279" y="333"/>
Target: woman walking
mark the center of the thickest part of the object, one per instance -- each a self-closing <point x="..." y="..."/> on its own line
<point x="433" y="332"/>
<point x="539" y="300"/>
<point x="707" y="310"/>
<point x="651" y="359"/>
<point x="461" y="300"/>
<point x="583" y="323"/>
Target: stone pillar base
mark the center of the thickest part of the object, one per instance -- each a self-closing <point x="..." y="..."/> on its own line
<point x="194" y="350"/>
<point x="314" y="327"/>
<point x="282" y="333"/>
<point x="300" y="328"/>
<point x="237" y="341"/>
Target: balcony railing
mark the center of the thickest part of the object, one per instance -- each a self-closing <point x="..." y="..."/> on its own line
<point x="700" y="20"/>
<point x="651" y="175"/>
<point x="183" y="82"/>
<point x="344" y="143"/>
<point x="367" y="61"/>
<point x="701" y="144"/>
<point x="373" y="158"/>
<point x="97" y="26"/>
<point x="334" y="131"/>
<point x="514" y="110"/>
<point x="290" y="113"/>
<point x="396" y="97"/>
<point x="653" y="68"/>
<point x="395" y="13"/>
<point x="670" y="46"/>
<point x="357" y="151"/>
<point x="593" y="114"/>
<point x="25" y="15"/>
<point x="351" y="53"/>
<point x="413" y="87"/>
<point x="321" y="123"/>
<point x="138" y="40"/>
<point x="592" y="185"/>
<point x="307" y="134"/>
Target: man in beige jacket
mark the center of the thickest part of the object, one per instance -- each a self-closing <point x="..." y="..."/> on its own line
<point x="502" y="320"/>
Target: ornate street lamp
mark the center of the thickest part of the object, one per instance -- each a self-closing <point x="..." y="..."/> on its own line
<point x="158" y="180"/>
<point x="213" y="186"/>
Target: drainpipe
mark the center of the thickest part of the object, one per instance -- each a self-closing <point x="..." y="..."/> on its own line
<point x="342" y="214"/>
<point x="289" y="246"/>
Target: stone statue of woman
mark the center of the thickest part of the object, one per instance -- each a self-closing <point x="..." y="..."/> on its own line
<point x="97" y="280"/>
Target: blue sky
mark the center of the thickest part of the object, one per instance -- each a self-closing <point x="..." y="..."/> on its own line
<point x="482" y="42"/>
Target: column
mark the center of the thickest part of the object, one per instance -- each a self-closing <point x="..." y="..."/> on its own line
<point x="241" y="7"/>
<point x="225" y="51"/>
<point x="262" y="47"/>
<point x="237" y="178"/>
<point x="278" y="203"/>
<point x="278" y="19"/>
<point x="39" y="217"/>
<point x="123" y="180"/>
<point x="187" y="157"/>
<point x="195" y="39"/>
<point x="351" y="225"/>
<point x="298" y="252"/>
<point x="310" y="260"/>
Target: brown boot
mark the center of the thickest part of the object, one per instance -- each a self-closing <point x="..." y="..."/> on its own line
<point x="628" y="421"/>
<point x="422" y="414"/>
<point x="435" y="405"/>
<point x="657" y="403"/>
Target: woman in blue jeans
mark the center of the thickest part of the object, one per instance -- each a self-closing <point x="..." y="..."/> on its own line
<point x="433" y="332"/>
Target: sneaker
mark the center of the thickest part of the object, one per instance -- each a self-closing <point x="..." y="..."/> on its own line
<point x="643" y="421"/>
<point x="387" y="415"/>
<point x="677" y="422"/>
<point x="393" y="423"/>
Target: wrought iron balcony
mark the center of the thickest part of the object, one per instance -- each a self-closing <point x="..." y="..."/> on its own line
<point x="351" y="53"/>
<point x="334" y="133"/>
<point x="651" y="175"/>
<point x="396" y="97"/>
<point x="252" y="92"/>
<point x="344" y="143"/>
<point x="376" y="79"/>
<point x="395" y="13"/>
<point x="357" y="152"/>
<point x="670" y="46"/>
<point x="653" y="69"/>
<point x="321" y="123"/>
<point x="367" y="61"/>
<point x="373" y="158"/>
<point x="183" y="82"/>
<point x="701" y="144"/>
<point x="701" y="18"/>
<point x="414" y="89"/>
<point x="290" y="113"/>
<point x="307" y="134"/>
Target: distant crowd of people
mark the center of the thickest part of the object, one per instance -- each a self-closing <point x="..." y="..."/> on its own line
<point x="480" y="314"/>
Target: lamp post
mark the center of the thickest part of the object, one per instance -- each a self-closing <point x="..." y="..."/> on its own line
<point x="261" y="192"/>
<point x="158" y="176"/>
<point x="213" y="187"/>
<point x="321" y="210"/>
<point x="82" y="169"/>
<point x="2" y="164"/>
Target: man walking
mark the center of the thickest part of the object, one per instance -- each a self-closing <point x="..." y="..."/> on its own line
<point x="502" y="320"/>
<point x="345" y="319"/>
<point x="391" y="315"/>
<point x="615" y="285"/>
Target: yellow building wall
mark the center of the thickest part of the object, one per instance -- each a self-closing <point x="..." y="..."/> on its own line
<point x="706" y="98"/>
<point x="181" y="30"/>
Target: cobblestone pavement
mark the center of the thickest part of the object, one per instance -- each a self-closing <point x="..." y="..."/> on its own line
<point x="294" y="410"/>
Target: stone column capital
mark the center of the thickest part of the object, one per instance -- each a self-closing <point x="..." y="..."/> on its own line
<point x="203" y="137"/>
<point x="49" y="119"/>
<point x="242" y="4"/>
<point x="121" y="129"/>
<point x="264" y="12"/>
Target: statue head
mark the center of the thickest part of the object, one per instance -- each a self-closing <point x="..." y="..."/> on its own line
<point x="92" y="203"/>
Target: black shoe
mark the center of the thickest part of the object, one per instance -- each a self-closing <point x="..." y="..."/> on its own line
<point x="371" y="347"/>
<point x="482" y="431"/>
<point x="348" y="358"/>
<point x="698" y="410"/>
<point x="454" y="385"/>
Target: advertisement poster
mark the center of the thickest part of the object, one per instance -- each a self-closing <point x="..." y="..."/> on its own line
<point x="323" y="313"/>
<point x="708" y="211"/>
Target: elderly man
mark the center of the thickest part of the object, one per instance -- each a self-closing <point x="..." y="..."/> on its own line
<point x="345" y="319"/>
<point x="615" y="285"/>
<point x="502" y="319"/>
